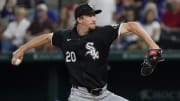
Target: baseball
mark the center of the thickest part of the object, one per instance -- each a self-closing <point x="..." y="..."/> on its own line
<point x="18" y="61"/>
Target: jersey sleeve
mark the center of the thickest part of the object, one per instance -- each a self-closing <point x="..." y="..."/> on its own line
<point x="112" y="32"/>
<point x="57" y="38"/>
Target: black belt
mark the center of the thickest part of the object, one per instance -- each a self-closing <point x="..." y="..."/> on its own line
<point x="95" y="92"/>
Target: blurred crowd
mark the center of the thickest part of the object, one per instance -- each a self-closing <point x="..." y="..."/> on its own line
<point x="21" y="20"/>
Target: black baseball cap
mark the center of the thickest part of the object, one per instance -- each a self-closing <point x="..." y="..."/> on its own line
<point x="85" y="9"/>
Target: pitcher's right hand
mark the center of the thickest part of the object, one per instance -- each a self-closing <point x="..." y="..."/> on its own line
<point x="17" y="56"/>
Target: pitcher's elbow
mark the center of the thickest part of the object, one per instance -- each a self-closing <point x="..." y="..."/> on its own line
<point x="133" y="25"/>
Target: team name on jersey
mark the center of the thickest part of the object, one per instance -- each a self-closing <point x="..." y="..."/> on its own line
<point x="91" y="50"/>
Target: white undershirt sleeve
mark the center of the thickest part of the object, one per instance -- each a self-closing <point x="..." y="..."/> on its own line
<point x="119" y="30"/>
<point x="50" y="37"/>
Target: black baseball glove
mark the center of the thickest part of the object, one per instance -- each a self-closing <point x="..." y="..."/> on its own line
<point x="150" y="61"/>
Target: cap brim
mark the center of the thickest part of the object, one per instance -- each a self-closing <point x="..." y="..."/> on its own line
<point x="97" y="11"/>
<point x="89" y="13"/>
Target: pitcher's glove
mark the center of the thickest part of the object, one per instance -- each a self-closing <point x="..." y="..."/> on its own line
<point x="150" y="61"/>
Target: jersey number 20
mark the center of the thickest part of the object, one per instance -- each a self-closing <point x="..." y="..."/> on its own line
<point x="70" y="56"/>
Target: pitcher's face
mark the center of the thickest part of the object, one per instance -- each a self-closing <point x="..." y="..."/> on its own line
<point x="89" y="21"/>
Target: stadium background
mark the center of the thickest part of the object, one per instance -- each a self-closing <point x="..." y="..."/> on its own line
<point x="43" y="77"/>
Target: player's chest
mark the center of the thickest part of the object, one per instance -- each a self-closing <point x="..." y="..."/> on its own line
<point x="81" y="48"/>
<point x="82" y="43"/>
<point x="78" y="44"/>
